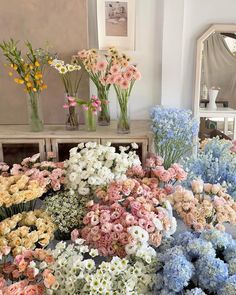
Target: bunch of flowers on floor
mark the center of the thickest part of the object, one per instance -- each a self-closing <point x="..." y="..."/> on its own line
<point x="91" y="165"/>
<point x="26" y="274"/>
<point x="205" y="206"/>
<point x="18" y="193"/>
<point x="67" y="210"/>
<point x="50" y="175"/>
<point x="215" y="163"/>
<point x="197" y="264"/>
<point x="76" y="272"/>
<point x="174" y="131"/>
<point x="128" y="217"/>
<point x="26" y="230"/>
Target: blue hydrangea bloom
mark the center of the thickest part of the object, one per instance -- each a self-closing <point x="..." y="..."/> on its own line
<point x="230" y="252"/>
<point x="211" y="273"/>
<point x="184" y="238"/>
<point x="232" y="266"/>
<point x="219" y="240"/>
<point x="174" y="130"/>
<point x="171" y="253"/>
<point x="165" y="291"/>
<point x="166" y="243"/>
<point x="177" y="272"/>
<point x="229" y="287"/>
<point x="198" y="248"/>
<point x="195" y="291"/>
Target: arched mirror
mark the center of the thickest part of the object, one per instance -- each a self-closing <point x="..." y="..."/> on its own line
<point x="215" y="85"/>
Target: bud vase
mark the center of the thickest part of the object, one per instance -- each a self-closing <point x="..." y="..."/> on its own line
<point x="90" y="120"/>
<point x="104" y="114"/>
<point x="35" y="114"/>
<point x="123" y="116"/>
<point x="72" y="121"/>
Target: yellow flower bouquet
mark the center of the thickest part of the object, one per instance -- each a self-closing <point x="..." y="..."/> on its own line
<point x="26" y="231"/>
<point x="28" y="71"/>
<point x="17" y="194"/>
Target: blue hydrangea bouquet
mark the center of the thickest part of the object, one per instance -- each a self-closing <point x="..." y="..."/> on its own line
<point x="197" y="264"/>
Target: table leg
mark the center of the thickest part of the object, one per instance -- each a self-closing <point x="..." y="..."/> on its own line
<point x="226" y="126"/>
<point x="234" y="131"/>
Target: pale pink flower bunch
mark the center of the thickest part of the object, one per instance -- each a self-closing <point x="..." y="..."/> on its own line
<point x="25" y="274"/>
<point x="4" y="169"/>
<point x="71" y="102"/>
<point x="204" y="207"/>
<point x="122" y="206"/>
<point x="50" y="175"/>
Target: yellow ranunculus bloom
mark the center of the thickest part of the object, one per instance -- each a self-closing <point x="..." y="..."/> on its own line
<point x="34" y="89"/>
<point x="31" y="67"/>
<point x="29" y="84"/>
<point x="19" y="81"/>
<point x="37" y="64"/>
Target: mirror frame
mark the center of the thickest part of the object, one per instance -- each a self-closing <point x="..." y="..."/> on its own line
<point x="223" y="28"/>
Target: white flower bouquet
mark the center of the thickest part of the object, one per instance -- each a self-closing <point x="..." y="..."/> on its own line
<point x="92" y="165"/>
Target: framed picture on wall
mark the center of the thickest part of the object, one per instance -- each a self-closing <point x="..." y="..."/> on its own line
<point x="116" y="24"/>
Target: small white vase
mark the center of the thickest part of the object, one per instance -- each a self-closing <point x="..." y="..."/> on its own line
<point x="212" y="99"/>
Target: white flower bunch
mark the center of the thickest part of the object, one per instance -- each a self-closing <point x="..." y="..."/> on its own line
<point x="76" y="274"/>
<point x="63" y="68"/>
<point x="92" y="165"/>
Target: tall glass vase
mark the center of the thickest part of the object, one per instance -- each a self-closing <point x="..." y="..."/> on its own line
<point x="35" y="114"/>
<point x="103" y="115"/>
<point x="123" y="115"/>
<point x="90" y="120"/>
<point x="72" y="121"/>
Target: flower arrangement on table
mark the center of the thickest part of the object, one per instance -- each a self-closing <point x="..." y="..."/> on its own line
<point x="91" y="165"/>
<point x="205" y="207"/>
<point x="26" y="230"/>
<point x="26" y="274"/>
<point x="193" y="264"/>
<point x="76" y="272"/>
<point x="90" y="108"/>
<point x="69" y="74"/>
<point x="174" y="131"/>
<point x="18" y="193"/>
<point x="67" y="210"/>
<point x="215" y="163"/>
<point x="29" y="72"/>
<point x="123" y="78"/>
<point x="50" y="175"/>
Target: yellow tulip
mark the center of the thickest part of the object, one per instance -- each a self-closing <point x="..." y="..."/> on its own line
<point x="29" y="84"/>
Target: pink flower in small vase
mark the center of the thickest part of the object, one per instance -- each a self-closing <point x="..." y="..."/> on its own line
<point x="124" y="84"/>
<point x="65" y="106"/>
<point x="118" y="79"/>
<point x="85" y="107"/>
<point x="101" y="65"/>
<point x="114" y="69"/>
<point x="111" y="79"/>
<point x="73" y="104"/>
<point x="128" y="75"/>
<point x="137" y="75"/>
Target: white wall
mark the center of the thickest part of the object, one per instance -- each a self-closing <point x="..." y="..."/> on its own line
<point x="148" y="56"/>
<point x="197" y="16"/>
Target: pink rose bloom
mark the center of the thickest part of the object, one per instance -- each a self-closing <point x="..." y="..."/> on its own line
<point x="158" y="171"/>
<point x="106" y="227"/>
<point x="118" y="228"/>
<point x="155" y="239"/>
<point x="149" y="227"/>
<point x="34" y="290"/>
<point x="165" y="176"/>
<point x="197" y="186"/>
<point x="219" y="201"/>
<point x="207" y="187"/>
<point x="130" y="219"/>
<point x="74" y="234"/>
<point x="94" y="220"/>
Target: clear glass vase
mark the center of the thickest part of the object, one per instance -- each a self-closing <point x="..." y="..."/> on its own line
<point x="35" y="114"/>
<point x="72" y="120"/>
<point x="103" y="115"/>
<point x="90" y="120"/>
<point x="123" y="116"/>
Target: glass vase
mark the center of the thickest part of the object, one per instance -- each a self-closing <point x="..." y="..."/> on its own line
<point x="35" y="114"/>
<point x="90" y="120"/>
<point x="103" y="115"/>
<point x="72" y="121"/>
<point x="123" y="116"/>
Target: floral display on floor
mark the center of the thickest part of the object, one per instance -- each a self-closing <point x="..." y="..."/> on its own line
<point x="197" y="264"/>
<point x="101" y="223"/>
<point x="215" y="163"/>
<point x="205" y="206"/>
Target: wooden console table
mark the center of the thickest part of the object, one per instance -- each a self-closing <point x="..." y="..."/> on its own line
<point x="17" y="142"/>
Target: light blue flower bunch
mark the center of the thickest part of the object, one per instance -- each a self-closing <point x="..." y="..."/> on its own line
<point x="198" y="264"/>
<point x="174" y="130"/>
<point x="215" y="163"/>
